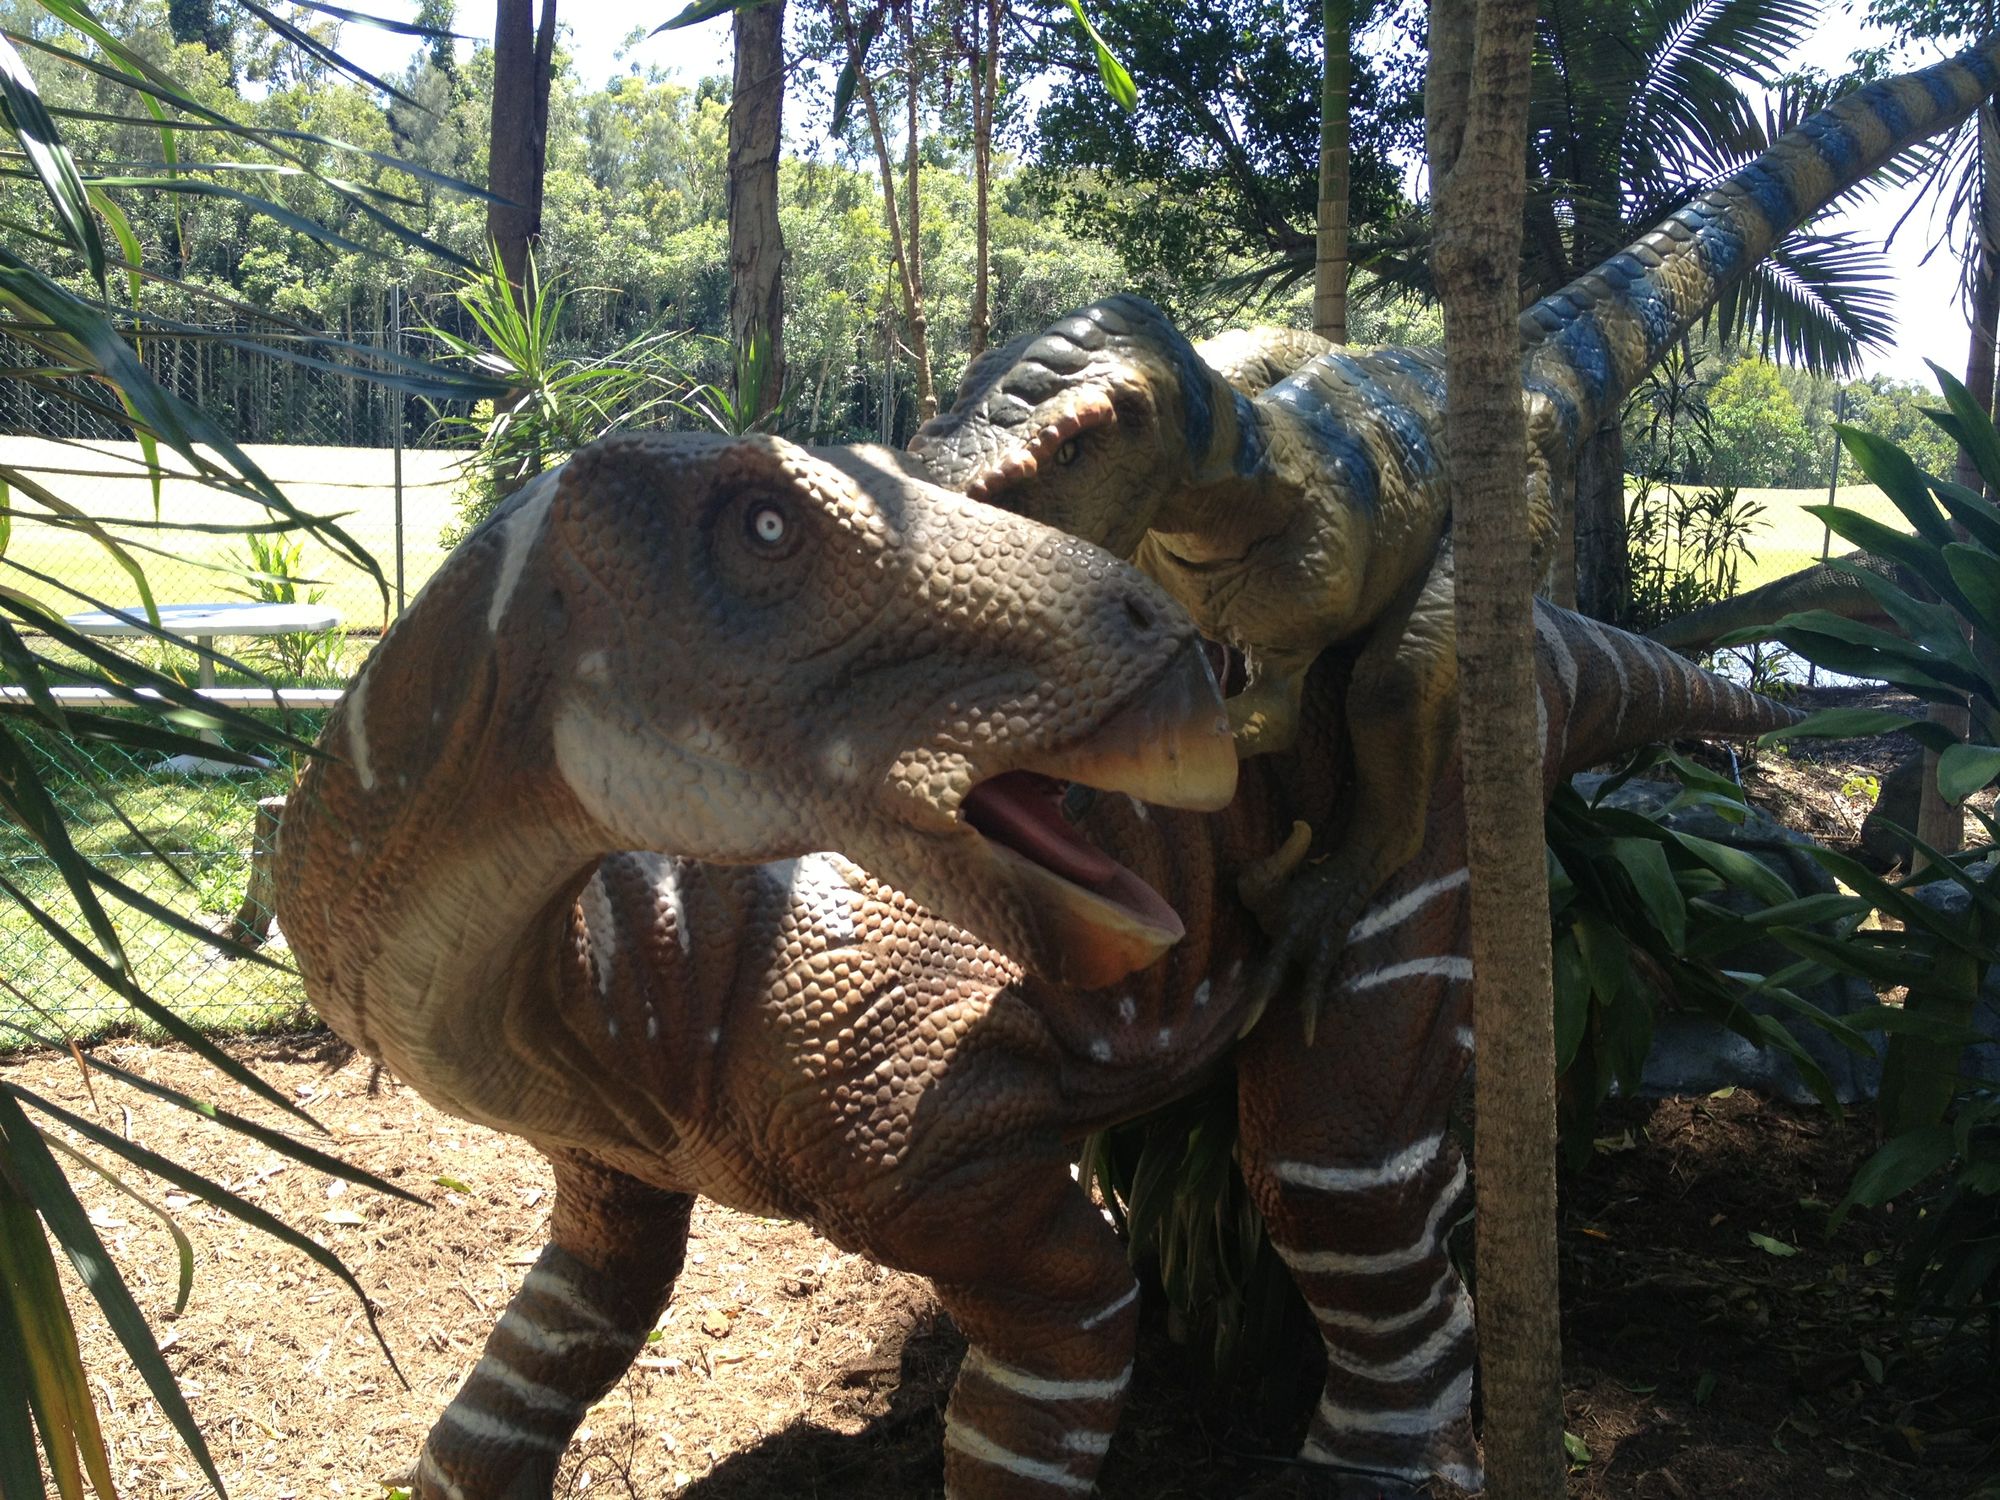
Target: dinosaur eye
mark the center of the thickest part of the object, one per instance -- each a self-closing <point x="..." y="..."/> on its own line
<point x="1068" y="453"/>
<point x="768" y="526"/>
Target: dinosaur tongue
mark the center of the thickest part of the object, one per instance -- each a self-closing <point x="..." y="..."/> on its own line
<point x="1023" y="811"/>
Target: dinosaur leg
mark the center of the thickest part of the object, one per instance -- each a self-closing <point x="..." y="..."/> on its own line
<point x="583" y="1310"/>
<point x="1345" y="1149"/>
<point x="1402" y="720"/>
<point x="1040" y="1286"/>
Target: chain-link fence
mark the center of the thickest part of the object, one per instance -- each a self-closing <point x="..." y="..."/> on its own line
<point x="196" y="844"/>
<point x="350" y="450"/>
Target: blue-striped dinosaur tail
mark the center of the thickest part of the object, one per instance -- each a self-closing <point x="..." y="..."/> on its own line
<point x="1588" y="345"/>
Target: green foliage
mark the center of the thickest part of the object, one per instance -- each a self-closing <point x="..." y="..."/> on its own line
<point x="272" y="570"/>
<point x="121" y="132"/>
<point x="554" y="402"/>
<point x="1943" y="1131"/>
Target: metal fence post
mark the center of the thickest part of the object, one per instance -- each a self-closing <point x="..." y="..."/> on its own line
<point x="396" y="434"/>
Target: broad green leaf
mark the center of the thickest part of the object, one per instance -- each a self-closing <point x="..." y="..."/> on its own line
<point x="1977" y="573"/>
<point x="39" y="140"/>
<point x="1855" y="723"/>
<point x="42" y="1183"/>
<point x="1889" y="469"/>
<point x="1898" y="1166"/>
<point x="1974" y="428"/>
<point x="1740" y="869"/>
<point x="216" y="1195"/>
<point x="1644" y="864"/>
<point x="1572" y="1000"/>
<point x="20" y="1468"/>
<point x="1921" y="559"/>
<point x="48" y="1350"/>
<point x="1117" y="82"/>
<point x="1964" y="769"/>
<point x="1772" y="1246"/>
<point x="183" y="1246"/>
<point x="1973" y="512"/>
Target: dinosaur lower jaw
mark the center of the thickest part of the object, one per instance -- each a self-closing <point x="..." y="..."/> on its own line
<point x="1083" y="917"/>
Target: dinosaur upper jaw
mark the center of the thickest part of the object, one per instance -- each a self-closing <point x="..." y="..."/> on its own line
<point x="1062" y="906"/>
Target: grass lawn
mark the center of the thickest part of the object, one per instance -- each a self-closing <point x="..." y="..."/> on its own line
<point x="204" y="825"/>
<point x="1786" y="538"/>
<point x="105" y="480"/>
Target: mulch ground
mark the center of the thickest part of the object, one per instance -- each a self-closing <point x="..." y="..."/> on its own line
<point x="1697" y="1362"/>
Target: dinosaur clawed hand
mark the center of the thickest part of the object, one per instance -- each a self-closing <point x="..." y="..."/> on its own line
<point x="1306" y="919"/>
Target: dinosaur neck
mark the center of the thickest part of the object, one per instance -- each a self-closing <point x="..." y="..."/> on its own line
<point x="1234" y="495"/>
<point x="1587" y="346"/>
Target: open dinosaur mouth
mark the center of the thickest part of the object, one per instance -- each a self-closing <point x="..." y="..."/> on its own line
<point x="1023" y="813"/>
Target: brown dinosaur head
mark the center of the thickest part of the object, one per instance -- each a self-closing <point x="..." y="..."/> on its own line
<point x="740" y="651"/>
<point x="1092" y="425"/>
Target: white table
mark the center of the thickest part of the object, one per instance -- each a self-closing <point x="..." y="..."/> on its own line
<point x="205" y="623"/>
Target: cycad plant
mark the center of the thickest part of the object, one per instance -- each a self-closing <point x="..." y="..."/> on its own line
<point x="72" y="274"/>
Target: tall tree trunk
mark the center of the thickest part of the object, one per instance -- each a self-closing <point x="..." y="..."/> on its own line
<point x="1596" y="524"/>
<point x="518" y="140"/>
<point x="1476" y="120"/>
<point x="985" y="95"/>
<point x="1330" y="241"/>
<point x="913" y="220"/>
<point x="756" y="243"/>
<point x="913" y="310"/>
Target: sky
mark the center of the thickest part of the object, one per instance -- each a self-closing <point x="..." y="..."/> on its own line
<point x="1930" y="322"/>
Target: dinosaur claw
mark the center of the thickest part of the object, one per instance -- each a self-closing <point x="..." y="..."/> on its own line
<point x="1260" y="881"/>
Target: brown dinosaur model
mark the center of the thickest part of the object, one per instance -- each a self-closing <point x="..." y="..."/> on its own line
<point x="1313" y="513"/>
<point x="616" y="659"/>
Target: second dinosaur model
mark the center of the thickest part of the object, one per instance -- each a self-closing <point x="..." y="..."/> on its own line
<point x="1316" y="512"/>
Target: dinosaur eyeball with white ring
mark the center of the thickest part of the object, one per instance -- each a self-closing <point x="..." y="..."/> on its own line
<point x="1068" y="453"/>
<point x="768" y="525"/>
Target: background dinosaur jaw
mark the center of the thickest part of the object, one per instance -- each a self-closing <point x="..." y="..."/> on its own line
<point x="1064" y="907"/>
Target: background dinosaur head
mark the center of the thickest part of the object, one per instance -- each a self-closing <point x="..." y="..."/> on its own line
<point x="1089" y="426"/>
<point x="740" y="651"/>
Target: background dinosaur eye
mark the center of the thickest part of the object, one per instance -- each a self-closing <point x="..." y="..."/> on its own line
<point x="1069" y="453"/>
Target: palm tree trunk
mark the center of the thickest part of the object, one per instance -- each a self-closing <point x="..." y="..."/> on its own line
<point x="1476" y="119"/>
<point x="756" y="242"/>
<point x="1330" y="241"/>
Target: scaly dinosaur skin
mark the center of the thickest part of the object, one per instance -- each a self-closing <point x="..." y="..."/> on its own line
<point x="799" y="1038"/>
<point x="1312" y="513"/>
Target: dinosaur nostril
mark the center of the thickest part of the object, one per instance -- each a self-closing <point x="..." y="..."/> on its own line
<point x="1139" y="612"/>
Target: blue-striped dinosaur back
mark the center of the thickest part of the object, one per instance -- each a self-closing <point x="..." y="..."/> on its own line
<point x="1587" y="346"/>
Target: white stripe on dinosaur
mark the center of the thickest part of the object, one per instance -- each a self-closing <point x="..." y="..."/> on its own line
<point x="532" y="1394"/>
<point x="559" y="1342"/>
<point x="976" y="1445"/>
<point x="1383" y="1262"/>
<point x="602" y="925"/>
<point x="1552" y="637"/>
<point x="1107" y="1313"/>
<point x="1443" y="966"/>
<point x="1040" y="1387"/>
<point x="1413" y="1421"/>
<point x="484" y="1427"/>
<point x="1379" y="919"/>
<point x="1414" y="1362"/>
<point x="1093" y="1443"/>
<point x="558" y="1288"/>
<point x="1399" y="1168"/>
<point x="1360" y="1322"/>
<point x="433" y="1477"/>
<point x="357" y="732"/>
<point x="1467" y="1477"/>
<point x="518" y="534"/>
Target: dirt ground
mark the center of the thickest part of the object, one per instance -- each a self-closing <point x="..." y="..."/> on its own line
<point x="1697" y="1363"/>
